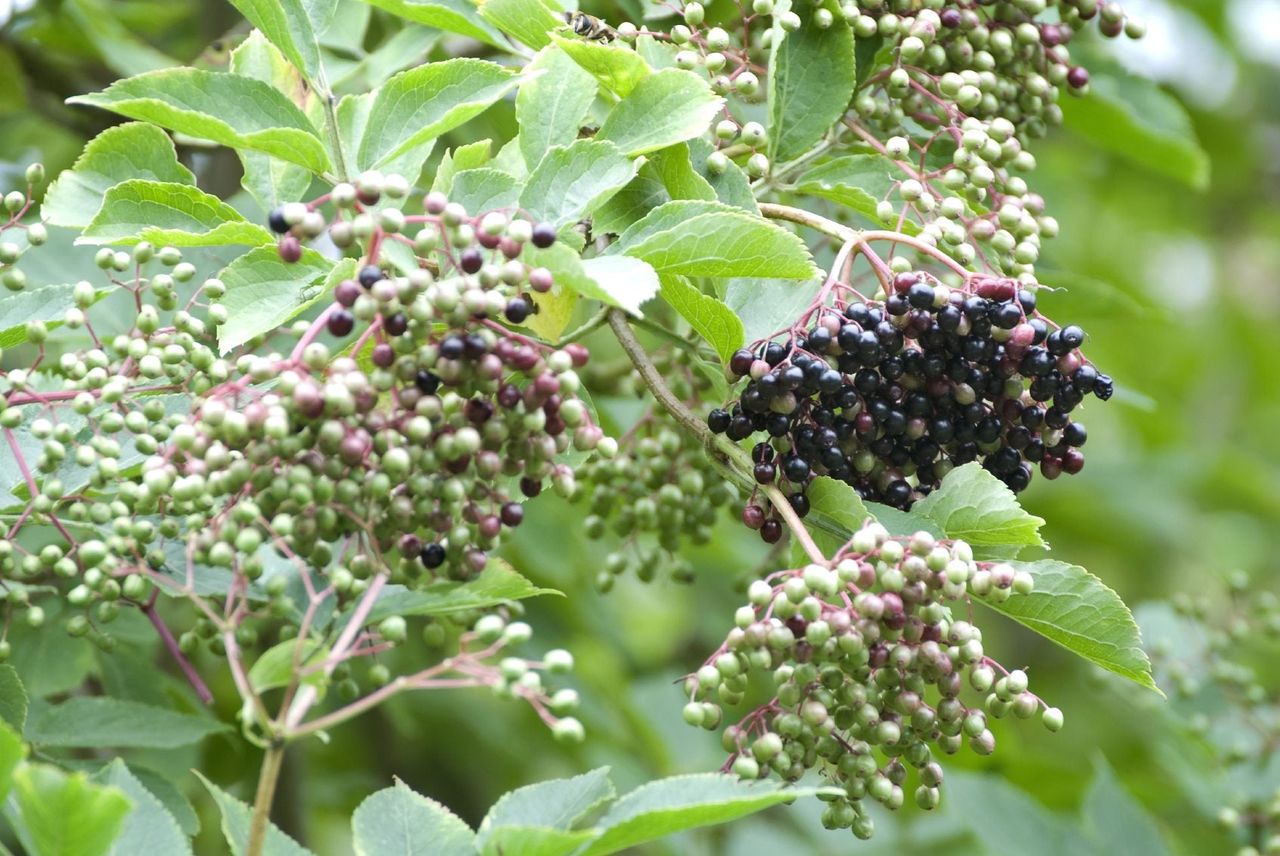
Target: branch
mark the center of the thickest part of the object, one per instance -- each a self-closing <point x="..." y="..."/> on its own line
<point x="268" y="777"/>
<point x="732" y="459"/>
<point x="844" y="233"/>
<point x="171" y="645"/>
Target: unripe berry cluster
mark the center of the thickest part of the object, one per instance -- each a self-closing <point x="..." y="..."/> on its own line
<point x="889" y="396"/>
<point x="869" y="666"/>
<point x="661" y="483"/>
<point x="284" y="480"/>
<point x="1215" y="656"/>
<point x="16" y="205"/>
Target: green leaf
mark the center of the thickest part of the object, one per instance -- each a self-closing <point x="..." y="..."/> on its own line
<point x="13" y="699"/>
<point x="812" y="73"/>
<point x="63" y="814"/>
<point x="555" y="311"/>
<point x="168" y="213"/>
<point x="619" y="68"/>
<point x="628" y="205"/>
<point x="1133" y="118"/>
<point x="48" y="660"/>
<point x="1117" y="822"/>
<point x="353" y="120"/>
<point x="552" y="104"/>
<point x="714" y="321"/>
<point x="96" y="721"/>
<point x="286" y="24"/>
<point x="668" y="106"/>
<point x="129" y="151"/>
<point x="175" y="802"/>
<point x="527" y="21"/>
<point x="228" y="109"/>
<point x="47" y="303"/>
<point x="858" y="182"/>
<point x="674" y="168"/>
<point x="712" y="239"/>
<point x="674" y="804"/>
<point x="484" y="189"/>
<point x="617" y="281"/>
<point x="836" y="512"/>
<point x="264" y="292"/>
<point x="12" y="752"/>
<point x="274" y="667"/>
<point x="535" y="841"/>
<point x="975" y="506"/>
<point x="235" y="826"/>
<point x="270" y="181"/>
<point x="554" y="804"/>
<point x="768" y="305"/>
<point x="1005" y="819"/>
<point x="456" y="16"/>
<point x="148" y="827"/>
<point x="497" y="583"/>
<point x="418" y="105"/>
<point x="1075" y="609"/>
<point x="122" y="51"/>
<point x="571" y="182"/>
<point x="397" y="820"/>
<point x="470" y="156"/>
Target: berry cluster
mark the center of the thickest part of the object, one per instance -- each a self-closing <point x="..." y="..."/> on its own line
<point x="1216" y="656"/>
<point x="16" y="205"/>
<point x="661" y="483"/>
<point x="889" y="396"/>
<point x="869" y="666"/>
<point x="282" y="479"/>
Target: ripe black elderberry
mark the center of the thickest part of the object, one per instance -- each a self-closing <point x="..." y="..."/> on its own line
<point x="889" y="396"/>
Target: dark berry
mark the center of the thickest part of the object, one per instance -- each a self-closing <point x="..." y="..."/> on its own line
<point x="517" y="310"/>
<point x="451" y="347"/>
<point x="471" y="260"/>
<point x="512" y="514"/>
<point x="771" y="531"/>
<point x="396" y="324"/>
<point x="1074" y="434"/>
<point x="426" y="382"/>
<point x="341" y="322"/>
<point x="544" y="235"/>
<point x="369" y="274"/>
<point x="432" y="555"/>
<point x="276" y="220"/>
<point x="346" y="292"/>
<point x="740" y="362"/>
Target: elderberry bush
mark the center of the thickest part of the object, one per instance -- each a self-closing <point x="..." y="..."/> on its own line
<point x="869" y="666"/>
<point x="888" y="396"/>
<point x="289" y="433"/>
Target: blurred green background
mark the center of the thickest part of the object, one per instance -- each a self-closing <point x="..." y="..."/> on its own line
<point x="1179" y="289"/>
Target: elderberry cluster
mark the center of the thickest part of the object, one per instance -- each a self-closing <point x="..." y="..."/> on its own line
<point x="284" y="479"/>
<point x="16" y="204"/>
<point x="869" y="667"/>
<point x="1217" y="657"/>
<point x="422" y="441"/>
<point x="661" y="483"/>
<point x="889" y="397"/>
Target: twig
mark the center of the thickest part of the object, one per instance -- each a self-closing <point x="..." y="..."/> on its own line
<point x="731" y="457"/>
